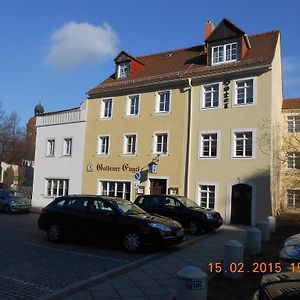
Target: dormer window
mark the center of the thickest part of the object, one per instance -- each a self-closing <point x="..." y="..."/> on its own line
<point x="123" y="70"/>
<point x="224" y="53"/>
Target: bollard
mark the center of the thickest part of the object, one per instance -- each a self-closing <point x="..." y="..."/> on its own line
<point x="264" y="227"/>
<point x="191" y="284"/>
<point x="272" y="222"/>
<point x="233" y="259"/>
<point x="253" y="241"/>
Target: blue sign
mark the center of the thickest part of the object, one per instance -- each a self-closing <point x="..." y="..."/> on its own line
<point x="137" y="176"/>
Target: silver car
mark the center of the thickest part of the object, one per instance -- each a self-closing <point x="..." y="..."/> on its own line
<point x="11" y="200"/>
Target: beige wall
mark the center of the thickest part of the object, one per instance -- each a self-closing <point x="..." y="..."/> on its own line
<point x="145" y="125"/>
<point x="225" y="171"/>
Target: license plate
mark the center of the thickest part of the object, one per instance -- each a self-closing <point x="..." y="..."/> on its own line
<point x="179" y="233"/>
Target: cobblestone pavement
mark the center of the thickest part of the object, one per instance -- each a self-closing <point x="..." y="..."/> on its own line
<point x="31" y="266"/>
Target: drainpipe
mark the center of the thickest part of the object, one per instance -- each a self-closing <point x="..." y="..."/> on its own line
<point x="188" y="139"/>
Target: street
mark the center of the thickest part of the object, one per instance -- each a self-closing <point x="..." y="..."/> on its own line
<point x="31" y="266"/>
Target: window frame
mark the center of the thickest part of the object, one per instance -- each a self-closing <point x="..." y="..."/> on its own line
<point x="222" y="48"/>
<point x="235" y="92"/>
<point x="115" y="190"/>
<point x="292" y="162"/>
<point x="128" y="105"/>
<point x="65" y="151"/>
<point x="203" y="96"/>
<point x="233" y="143"/>
<point x="126" y="144"/>
<point x="50" y="147"/>
<point x="292" y="123"/>
<point x="294" y="195"/>
<point x="199" y="196"/>
<point x="155" y="143"/>
<point x="56" y="187"/>
<point x="121" y="73"/>
<point x="103" y="113"/>
<point x="100" y="145"/>
<point x="158" y="95"/>
<point x="201" y="147"/>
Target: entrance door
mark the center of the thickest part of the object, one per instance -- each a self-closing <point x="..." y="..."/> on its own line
<point x="158" y="186"/>
<point x="241" y="198"/>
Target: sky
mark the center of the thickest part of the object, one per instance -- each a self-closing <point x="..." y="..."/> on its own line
<point x="55" y="51"/>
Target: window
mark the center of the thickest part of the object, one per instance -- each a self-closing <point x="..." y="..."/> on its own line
<point x="99" y="206"/>
<point x="67" y="147"/>
<point x="207" y="196"/>
<point x="208" y="145"/>
<point x="133" y="105"/>
<point x="123" y="70"/>
<point x="170" y="203"/>
<point x="130" y="144"/>
<point x="230" y="51"/>
<point x="293" y="198"/>
<point x="57" y="187"/>
<point x="115" y="189"/>
<point x="244" y="92"/>
<point x="50" y="147"/>
<point x="103" y="145"/>
<point x="106" y="108"/>
<point x="161" y="143"/>
<point x="211" y="96"/>
<point x="163" y="102"/>
<point x="293" y="123"/>
<point x="293" y="160"/>
<point x="79" y="204"/>
<point x="243" y="144"/>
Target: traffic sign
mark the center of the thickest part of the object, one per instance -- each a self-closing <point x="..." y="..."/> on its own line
<point x="137" y="176"/>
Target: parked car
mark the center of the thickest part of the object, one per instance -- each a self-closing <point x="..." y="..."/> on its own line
<point x="290" y="252"/>
<point x="284" y="286"/>
<point x="181" y="209"/>
<point x="107" y="218"/>
<point x="12" y="201"/>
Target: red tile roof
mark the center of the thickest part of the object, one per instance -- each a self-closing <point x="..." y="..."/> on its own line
<point x="291" y="103"/>
<point x="189" y="62"/>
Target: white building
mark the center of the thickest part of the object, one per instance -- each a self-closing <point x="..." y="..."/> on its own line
<point x="59" y="154"/>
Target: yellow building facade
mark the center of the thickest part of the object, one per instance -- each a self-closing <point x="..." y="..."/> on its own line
<point x="206" y="117"/>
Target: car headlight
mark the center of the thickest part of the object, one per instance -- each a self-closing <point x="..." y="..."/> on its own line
<point x="13" y="202"/>
<point x="209" y="216"/>
<point x="160" y="226"/>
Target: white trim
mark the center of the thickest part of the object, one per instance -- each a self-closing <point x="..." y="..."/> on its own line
<point x="234" y="92"/>
<point x="99" y="181"/>
<point x="157" y="100"/>
<point x="148" y="185"/>
<point x="102" y="108"/>
<point x="128" y="99"/>
<point x="125" y="143"/>
<point x="64" y="153"/>
<point x="99" y="146"/>
<point x="202" y="97"/>
<point x="224" y="61"/>
<point x="198" y="196"/>
<point x="218" y="132"/>
<point x="154" y="142"/>
<point x="47" y="150"/>
<point x="242" y="130"/>
<point x="253" y="200"/>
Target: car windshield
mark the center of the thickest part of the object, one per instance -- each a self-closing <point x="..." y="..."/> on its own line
<point x="188" y="202"/>
<point x="127" y="207"/>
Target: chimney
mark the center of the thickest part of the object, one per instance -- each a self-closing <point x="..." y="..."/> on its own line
<point x="208" y="29"/>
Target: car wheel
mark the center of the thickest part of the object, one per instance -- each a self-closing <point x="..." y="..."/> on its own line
<point x="194" y="227"/>
<point x="132" y="241"/>
<point x="6" y="209"/>
<point x="55" y="233"/>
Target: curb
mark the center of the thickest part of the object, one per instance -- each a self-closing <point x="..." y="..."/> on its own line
<point x="92" y="281"/>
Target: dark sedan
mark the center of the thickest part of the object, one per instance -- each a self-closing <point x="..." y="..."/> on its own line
<point x="107" y="218"/>
<point x="181" y="209"/>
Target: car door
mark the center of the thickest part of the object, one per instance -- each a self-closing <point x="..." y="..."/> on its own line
<point x="2" y="200"/>
<point x="104" y="220"/>
<point x="172" y="208"/>
<point x="75" y="218"/>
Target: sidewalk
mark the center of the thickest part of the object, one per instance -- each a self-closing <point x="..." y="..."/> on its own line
<point x="153" y="278"/>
